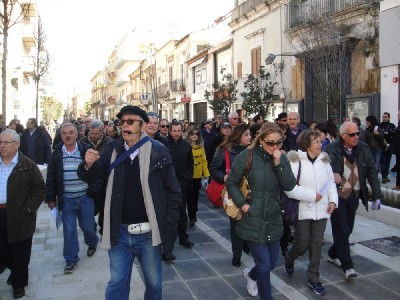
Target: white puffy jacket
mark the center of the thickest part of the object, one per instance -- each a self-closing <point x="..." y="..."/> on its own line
<point x="313" y="178"/>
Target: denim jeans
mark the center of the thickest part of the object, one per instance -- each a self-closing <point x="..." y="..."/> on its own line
<point x="265" y="257"/>
<point x="121" y="261"/>
<point x="377" y="154"/>
<point x="82" y="208"/>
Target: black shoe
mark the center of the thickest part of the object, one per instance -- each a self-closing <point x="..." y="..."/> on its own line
<point x="70" y="268"/>
<point x="289" y="269"/>
<point x="2" y="269"/>
<point x="19" y="293"/>
<point x="9" y="280"/>
<point x="186" y="243"/>
<point x="91" y="251"/>
<point x="385" y="180"/>
<point x="191" y="223"/>
<point x="236" y="262"/>
<point x="168" y="257"/>
<point x="317" y="288"/>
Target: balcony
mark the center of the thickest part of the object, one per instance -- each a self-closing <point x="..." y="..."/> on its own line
<point x="25" y="5"/>
<point x="28" y="65"/>
<point x="173" y="85"/>
<point x="246" y="7"/>
<point x="163" y="90"/>
<point x="300" y="12"/>
<point x="28" y="35"/>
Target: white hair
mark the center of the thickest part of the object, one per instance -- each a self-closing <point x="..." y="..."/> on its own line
<point x="14" y="135"/>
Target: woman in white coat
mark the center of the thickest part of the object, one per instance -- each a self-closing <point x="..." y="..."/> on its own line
<point x="318" y="198"/>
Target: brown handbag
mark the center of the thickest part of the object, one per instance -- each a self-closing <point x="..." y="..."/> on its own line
<point x="230" y="208"/>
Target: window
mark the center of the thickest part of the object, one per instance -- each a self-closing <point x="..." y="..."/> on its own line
<point x="239" y="70"/>
<point x="255" y="60"/>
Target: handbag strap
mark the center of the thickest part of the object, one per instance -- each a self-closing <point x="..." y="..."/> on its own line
<point x="227" y="161"/>
<point x="248" y="164"/>
<point x="298" y="174"/>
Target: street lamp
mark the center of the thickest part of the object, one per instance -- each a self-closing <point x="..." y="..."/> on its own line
<point x="271" y="57"/>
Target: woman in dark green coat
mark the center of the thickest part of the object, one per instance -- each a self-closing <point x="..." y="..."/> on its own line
<point x="261" y="225"/>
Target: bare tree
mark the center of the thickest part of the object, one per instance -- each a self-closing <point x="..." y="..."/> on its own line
<point x="9" y="16"/>
<point x="325" y="45"/>
<point x="41" y="62"/>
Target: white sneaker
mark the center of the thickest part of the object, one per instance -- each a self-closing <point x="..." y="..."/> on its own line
<point x="335" y="261"/>
<point x="350" y="274"/>
<point x="251" y="284"/>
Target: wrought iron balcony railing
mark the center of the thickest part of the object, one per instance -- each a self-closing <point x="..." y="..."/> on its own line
<point x="299" y="12"/>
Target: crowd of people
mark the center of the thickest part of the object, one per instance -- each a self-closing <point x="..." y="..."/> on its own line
<point x="142" y="175"/>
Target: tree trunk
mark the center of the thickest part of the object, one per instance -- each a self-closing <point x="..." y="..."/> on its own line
<point x="4" y="79"/>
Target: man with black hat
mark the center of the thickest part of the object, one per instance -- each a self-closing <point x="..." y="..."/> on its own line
<point x="141" y="202"/>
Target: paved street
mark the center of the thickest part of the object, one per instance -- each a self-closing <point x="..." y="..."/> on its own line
<point x="205" y="272"/>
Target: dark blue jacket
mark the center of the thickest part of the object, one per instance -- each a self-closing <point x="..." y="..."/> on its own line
<point x="42" y="148"/>
<point x="290" y="141"/>
<point x="163" y="185"/>
<point x="55" y="175"/>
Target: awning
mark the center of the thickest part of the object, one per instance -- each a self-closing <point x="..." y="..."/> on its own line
<point x="185" y="99"/>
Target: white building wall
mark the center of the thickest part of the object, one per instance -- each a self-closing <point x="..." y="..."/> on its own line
<point x="390" y="91"/>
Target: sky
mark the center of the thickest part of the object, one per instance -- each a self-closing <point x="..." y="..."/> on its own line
<point x="81" y="34"/>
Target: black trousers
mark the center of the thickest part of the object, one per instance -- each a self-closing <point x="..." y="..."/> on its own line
<point x="193" y="198"/>
<point x="15" y="256"/>
<point x="168" y="247"/>
<point x="342" y="221"/>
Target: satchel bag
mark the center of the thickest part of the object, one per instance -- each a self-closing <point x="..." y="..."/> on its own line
<point x="290" y="205"/>
<point x="229" y="206"/>
<point x="215" y="188"/>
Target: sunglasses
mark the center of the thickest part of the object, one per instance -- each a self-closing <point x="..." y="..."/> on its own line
<point x="353" y="134"/>
<point x="164" y="126"/>
<point x="194" y="133"/>
<point x="272" y="143"/>
<point x="235" y="118"/>
<point x="129" y="121"/>
<point x="152" y="114"/>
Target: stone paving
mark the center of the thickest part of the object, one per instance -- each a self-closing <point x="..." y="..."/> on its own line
<point x="205" y="272"/>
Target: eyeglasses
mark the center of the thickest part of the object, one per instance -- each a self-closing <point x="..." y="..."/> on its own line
<point x="235" y="118"/>
<point x="194" y="133"/>
<point x="6" y="142"/>
<point x="284" y="120"/>
<point x="153" y="114"/>
<point x="129" y="121"/>
<point x="272" y="143"/>
<point x="164" y="126"/>
<point x="353" y="134"/>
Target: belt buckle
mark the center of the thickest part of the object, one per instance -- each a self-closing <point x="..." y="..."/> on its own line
<point x="136" y="229"/>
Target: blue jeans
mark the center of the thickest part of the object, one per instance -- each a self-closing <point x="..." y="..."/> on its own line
<point x="265" y="257"/>
<point x="377" y="154"/>
<point x="121" y="261"/>
<point x="82" y="208"/>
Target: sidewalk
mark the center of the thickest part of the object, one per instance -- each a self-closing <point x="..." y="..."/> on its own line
<point x="205" y="272"/>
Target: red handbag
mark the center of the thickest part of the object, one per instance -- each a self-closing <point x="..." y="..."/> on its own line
<point x="214" y="189"/>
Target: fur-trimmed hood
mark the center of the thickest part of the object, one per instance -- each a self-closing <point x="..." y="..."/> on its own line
<point x="296" y="156"/>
